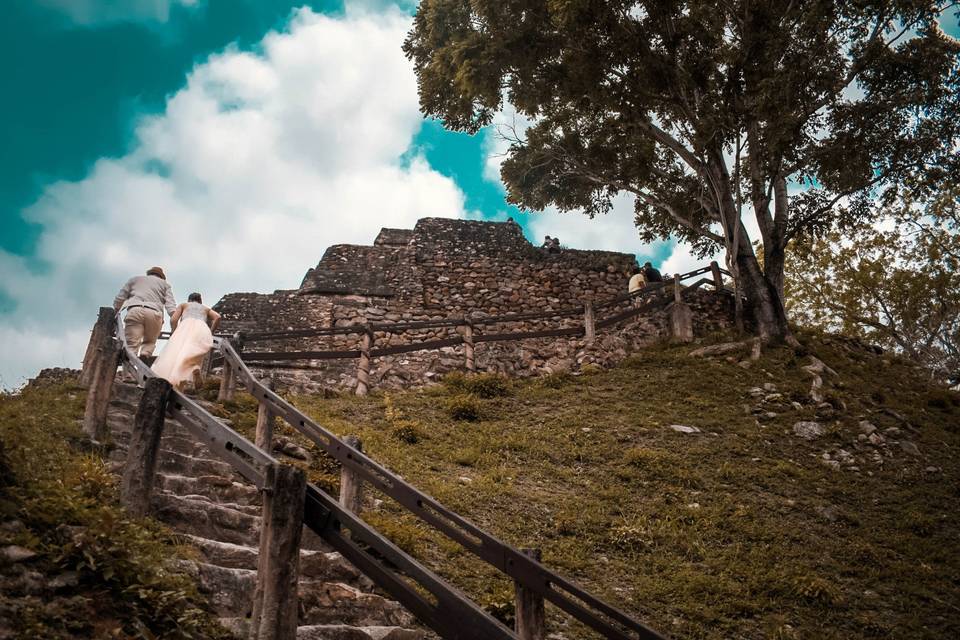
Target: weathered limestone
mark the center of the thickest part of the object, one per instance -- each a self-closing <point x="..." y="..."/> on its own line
<point x="445" y="269"/>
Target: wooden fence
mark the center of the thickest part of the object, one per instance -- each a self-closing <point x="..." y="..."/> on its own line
<point x="650" y="298"/>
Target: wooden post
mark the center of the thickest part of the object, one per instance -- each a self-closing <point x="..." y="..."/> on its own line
<point x="264" y="435"/>
<point x="363" y="365"/>
<point x="278" y="565"/>
<point x="530" y="619"/>
<point x="106" y="326"/>
<point x="136" y="484"/>
<point x="226" y="383"/>
<point x="468" y="345"/>
<point x="351" y="485"/>
<point x="589" y="323"/>
<point x="101" y="386"/>
<point x="717" y="276"/>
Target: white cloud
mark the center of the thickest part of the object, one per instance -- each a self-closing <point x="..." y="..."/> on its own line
<point x="257" y="165"/>
<point x="88" y="12"/>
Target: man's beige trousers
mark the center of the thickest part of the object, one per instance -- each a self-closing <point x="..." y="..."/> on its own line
<point x="142" y="328"/>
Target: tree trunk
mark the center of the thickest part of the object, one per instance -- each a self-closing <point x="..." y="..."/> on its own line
<point x="773" y="259"/>
<point x="763" y="300"/>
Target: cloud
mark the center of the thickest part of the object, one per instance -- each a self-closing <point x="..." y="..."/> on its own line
<point x="90" y="12"/>
<point x="258" y="164"/>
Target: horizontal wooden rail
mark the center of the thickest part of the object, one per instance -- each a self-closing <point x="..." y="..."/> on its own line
<point x="591" y="611"/>
<point x="415" y="346"/>
<point x="255" y="356"/>
<point x="397" y="327"/>
<point x="524" y="335"/>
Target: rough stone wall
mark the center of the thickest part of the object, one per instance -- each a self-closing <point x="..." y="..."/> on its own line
<point x="450" y="268"/>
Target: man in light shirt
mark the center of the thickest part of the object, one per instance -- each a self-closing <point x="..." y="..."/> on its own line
<point x="145" y="298"/>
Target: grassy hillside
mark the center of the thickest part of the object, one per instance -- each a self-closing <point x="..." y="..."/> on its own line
<point x="72" y="565"/>
<point x="743" y="530"/>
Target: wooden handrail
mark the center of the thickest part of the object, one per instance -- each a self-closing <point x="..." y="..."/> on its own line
<point x="452" y="614"/>
<point x="533" y="575"/>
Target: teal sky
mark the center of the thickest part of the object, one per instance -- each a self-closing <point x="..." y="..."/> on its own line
<point x="74" y="90"/>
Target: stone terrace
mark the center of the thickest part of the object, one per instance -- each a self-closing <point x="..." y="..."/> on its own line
<point x="443" y="268"/>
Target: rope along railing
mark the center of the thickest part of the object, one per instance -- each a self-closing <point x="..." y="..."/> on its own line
<point x="657" y="292"/>
<point x="442" y="607"/>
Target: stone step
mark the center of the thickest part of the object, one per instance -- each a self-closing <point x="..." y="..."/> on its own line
<point x="206" y="519"/>
<point x="344" y="632"/>
<point x="175" y="463"/>
<point x="215" y="488"/>
<point x="328" y="566"/>
<point x="120" y="423"/>
<point x="338" y="603"/>
<point x="230" y="592"/>
<point x="239" y="627"/>
<point x="187" y="445"/>
<point x="198" y="516"/>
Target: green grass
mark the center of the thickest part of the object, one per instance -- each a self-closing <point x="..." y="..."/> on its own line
<point x="740" y="531"/>
<point x="61" y="503"/>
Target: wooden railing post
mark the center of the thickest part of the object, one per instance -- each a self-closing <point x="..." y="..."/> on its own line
<point x="136" y="484"/>
<point x="105" y="326"/>
<point x="363" y="365"/>
<point x="351" y="485"/>
<point x="264" y="433"/>
<point x="717" y="276"/>
<point x="101" y="385"/>
<point x="226" y="382"/>
<point x="589" y="323"/>
<point x="278" y="566"/>
<point x="530" y="615"/>
<point x="468" y="345"/>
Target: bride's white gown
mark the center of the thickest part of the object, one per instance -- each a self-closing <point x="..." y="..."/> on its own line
<point x="188" y="345"/>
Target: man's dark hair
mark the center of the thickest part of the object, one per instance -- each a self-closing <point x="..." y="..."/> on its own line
<point x="194" y="297"/>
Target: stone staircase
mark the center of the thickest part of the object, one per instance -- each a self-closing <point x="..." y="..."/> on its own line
<point x="218" y="513"/>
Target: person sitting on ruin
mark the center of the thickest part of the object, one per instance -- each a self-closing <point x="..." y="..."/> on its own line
<point x="193" y="325"/>
<point x="651" y="274"/>
<point x="637" y="280"/>
<point x="547" y="243"/>
<point x="555" y="246"/>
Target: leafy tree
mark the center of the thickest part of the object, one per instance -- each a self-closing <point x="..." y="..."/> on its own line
<point x="706" y="112"/>
<point x="897" y="285"/>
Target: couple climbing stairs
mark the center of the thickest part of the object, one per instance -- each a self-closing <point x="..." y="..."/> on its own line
<point x="217" y="513"/>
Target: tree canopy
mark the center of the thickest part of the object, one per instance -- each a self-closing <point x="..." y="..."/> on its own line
<point x="803" y="115"/>
<point x="895" y="284"/>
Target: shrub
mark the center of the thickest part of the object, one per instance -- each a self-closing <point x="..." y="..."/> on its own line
<point x="464" y="406"/>
<point x="555" y="380"/>
<point x="813" y="588"/>
<point x="407" y="431"/>
<point x="482" y="385"/>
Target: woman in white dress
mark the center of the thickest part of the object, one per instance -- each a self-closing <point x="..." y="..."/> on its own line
<point x="193" y="325"/>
